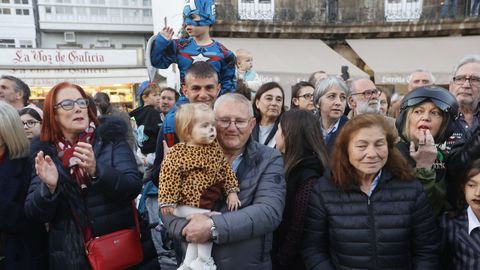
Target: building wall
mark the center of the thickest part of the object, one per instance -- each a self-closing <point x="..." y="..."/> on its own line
<point x="97" y="15"/>
<point x="17" y="24"/>
<point x="93" y="40"/>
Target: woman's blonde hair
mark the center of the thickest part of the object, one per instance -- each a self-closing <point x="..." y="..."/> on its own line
<point x="12" y="132"/>
<point x="185" y="118"/>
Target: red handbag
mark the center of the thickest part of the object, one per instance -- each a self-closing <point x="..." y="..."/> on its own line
<point x="116" y="250"/>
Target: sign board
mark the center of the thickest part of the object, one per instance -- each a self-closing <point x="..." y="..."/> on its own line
<point x="50" y="58"/>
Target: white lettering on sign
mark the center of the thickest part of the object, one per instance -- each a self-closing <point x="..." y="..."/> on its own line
<point x="393" y="79"/>
<point x="72" y="58"/>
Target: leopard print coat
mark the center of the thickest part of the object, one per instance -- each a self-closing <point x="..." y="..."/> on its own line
<point x="195" y="176"/>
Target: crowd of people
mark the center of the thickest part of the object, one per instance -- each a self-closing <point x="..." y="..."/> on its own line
<point x="247" y="183"/>
<point x="229" y="177"/>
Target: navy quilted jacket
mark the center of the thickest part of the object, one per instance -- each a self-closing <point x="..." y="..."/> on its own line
<point x="394" y="228"/>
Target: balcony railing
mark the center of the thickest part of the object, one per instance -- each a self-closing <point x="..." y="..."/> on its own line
<point x="362" y="11"/>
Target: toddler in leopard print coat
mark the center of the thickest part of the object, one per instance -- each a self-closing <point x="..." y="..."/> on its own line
<point x="193" y="175"/>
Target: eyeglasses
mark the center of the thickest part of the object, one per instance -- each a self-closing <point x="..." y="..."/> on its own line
<point x="461" y="79"/>
<point x="30" y="123"/>
<point x="306" y="96"/>
<point x="69" y="104"/>
<point x="239" y="123"/>
<point x="369" y="93"/>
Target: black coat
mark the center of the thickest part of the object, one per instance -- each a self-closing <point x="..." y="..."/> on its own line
<point x="330" y="139"/>
<point x="287" y="239"/>
<point x="107" y="200"/>
<point x="394" y="228"/>
<point x="25" y="240"/>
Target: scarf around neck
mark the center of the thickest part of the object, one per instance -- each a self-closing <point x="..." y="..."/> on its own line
<point x="65" y="154"/>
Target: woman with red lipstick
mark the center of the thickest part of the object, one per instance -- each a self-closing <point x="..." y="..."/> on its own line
<point x="425" y="122"/>
<point x="370" y="214"/>
<point x="85" y="176"/>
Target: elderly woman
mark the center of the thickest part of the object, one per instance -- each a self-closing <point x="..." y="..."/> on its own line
<point x="268" y="105"/>
<point x="300" y="140"/>
<point x="425" y="122"/>
<point x="302" y="96"/>
<point x="32" y="122"/>
<point x="85" y="176"/>
<point x="371" y="214"/>
<point x="330" y="99"/>
<point x="24" y="242"/>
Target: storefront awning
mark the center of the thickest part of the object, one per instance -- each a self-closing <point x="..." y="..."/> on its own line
<point x="392" y="60"/>
<point x="80" y="76"/>
<point x="291" y="57"/>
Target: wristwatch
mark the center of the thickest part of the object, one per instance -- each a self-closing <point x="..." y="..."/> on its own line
<point x="213" y="232"/>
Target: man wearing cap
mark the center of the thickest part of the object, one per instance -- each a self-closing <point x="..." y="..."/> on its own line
<point x="198" y="16"/>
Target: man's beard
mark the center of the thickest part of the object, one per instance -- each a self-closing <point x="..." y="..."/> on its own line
<point x="364" y="107"/>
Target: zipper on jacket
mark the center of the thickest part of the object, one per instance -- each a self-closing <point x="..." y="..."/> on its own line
<point x="374" y="235"/>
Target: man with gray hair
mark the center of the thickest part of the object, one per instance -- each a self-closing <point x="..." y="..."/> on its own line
<point x="364" y="97"/>
<point x="14" y="91"/>
<point x="465" y="86"/>
<point x="420" y="77"/>
<point x="243" y="238"/>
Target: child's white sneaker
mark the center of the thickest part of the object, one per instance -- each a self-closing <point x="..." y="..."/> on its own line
<point x="184" y="267"/>
<point x="199" y="264"/>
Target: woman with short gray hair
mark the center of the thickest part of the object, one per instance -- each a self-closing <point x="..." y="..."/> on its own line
<point x="330" y="99"/>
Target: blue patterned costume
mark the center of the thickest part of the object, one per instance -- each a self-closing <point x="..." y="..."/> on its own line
<point x="186" y="51"/>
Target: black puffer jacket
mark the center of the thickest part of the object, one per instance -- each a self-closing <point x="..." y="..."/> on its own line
<point x="108" y="199"/>
<point x="463" y="153"/>
<point x="393" y="229"/>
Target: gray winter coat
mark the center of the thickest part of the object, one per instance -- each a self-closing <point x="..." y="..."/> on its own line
<point x="245" y="236"/>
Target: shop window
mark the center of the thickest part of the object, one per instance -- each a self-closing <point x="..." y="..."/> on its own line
<point x="7" y="43"/>
<point x="26" y="44"/>
<point x="256" y="9"/>
<point x="5" y="11"/>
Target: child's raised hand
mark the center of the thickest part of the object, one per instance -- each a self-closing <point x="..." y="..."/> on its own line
<point x="167" y="210"/>
<point x="167" y="33"/>
<point x="233" y="202"/>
